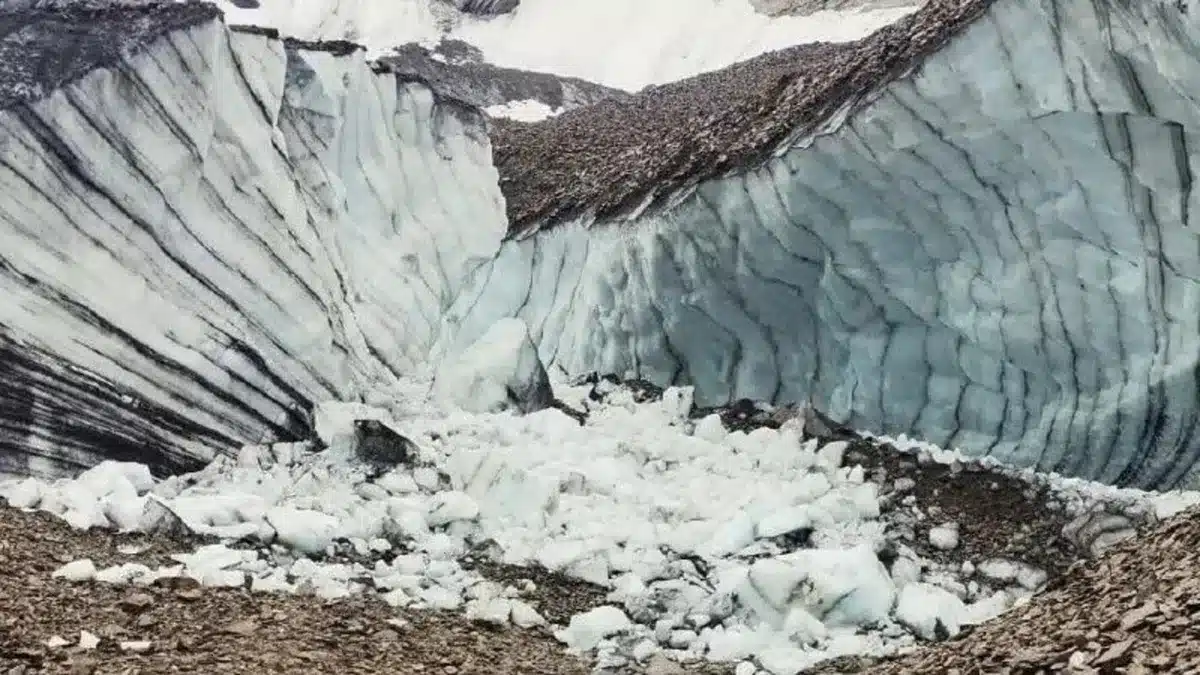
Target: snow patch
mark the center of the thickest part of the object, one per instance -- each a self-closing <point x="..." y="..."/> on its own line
<point x="523" y="111"/>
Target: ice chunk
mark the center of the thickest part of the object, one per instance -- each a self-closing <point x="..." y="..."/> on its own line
<point x="587" y="630"/>
<point x="837" y="586"/>
<point x="783" y="660"/>
<point x="524" y="615"/>
<point x="24" y="494"/>
<point x="499" y="371"/>
<point x="944" y="537"/>
<point x="304" y="530"/>
<point x="76" y="570"/>
<point x="933" y="612"/>
<point x="711" y="429"/>
<point x="448" y="507"/>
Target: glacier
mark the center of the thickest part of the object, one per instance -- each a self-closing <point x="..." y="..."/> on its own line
<point x="996" y="252"/>
<point x="208" y="230"/>
<point x="205" y="231"/>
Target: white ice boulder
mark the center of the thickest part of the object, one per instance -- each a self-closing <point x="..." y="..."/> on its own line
<point x="333" y="421"/>
<point x="588" y="629"/>
<point x="923" y="607"/>
<point x="24" y="494"/>
<point x="838" y="586"/>
<point x="306" y="531"/>
<point x="500" y="371"/>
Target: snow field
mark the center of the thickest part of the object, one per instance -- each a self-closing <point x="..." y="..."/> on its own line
<point x="627" y="44"/>
<point x="756" y="548"/>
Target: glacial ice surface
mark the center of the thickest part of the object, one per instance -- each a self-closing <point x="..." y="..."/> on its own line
<point x="205" y="236"/>
<point x="998" y="253"/>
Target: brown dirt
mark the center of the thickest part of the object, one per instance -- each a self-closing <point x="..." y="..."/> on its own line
<point x="557" y="596"/>
<point x="998" y="516"/>
<point x="1135" y="610"/>
<point x="225" y="630"/>
<point x="608" y="158"/>
<point x="807" y="7"/>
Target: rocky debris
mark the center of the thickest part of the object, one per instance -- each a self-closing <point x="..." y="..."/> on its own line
<point x="448" y="50"/>
<point x="1135" y="610"/>
<point x="620" y="157"/>
<point x="499" y="371"/>
<point x="381" y="447"/>
<point x="806" y="7"/>
<point x="486" y="7"/>
<point x="556" y="596"/>
<point x="100" y="34"/>
<point x="456" y="70"/>
<point x="640" y="390"/>
<point x="159" y="520"/>
<point x="56" y="626"/>
<point x="993" y="515"/>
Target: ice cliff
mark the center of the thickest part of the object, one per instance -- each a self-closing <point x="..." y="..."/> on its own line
<point x="992" y="247"/>
<point x="974" y="226"/>
<point x="205" y="231"/>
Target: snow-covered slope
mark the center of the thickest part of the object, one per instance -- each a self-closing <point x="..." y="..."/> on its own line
<point x="626" y="44"/>
<point x="202" y="232"/>
<point x="997" y="253"/>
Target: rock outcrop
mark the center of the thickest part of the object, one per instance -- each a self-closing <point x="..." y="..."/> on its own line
<point x="205" y="231"/>
<point x="976" y="226"/>
<point x="452" y="69"/>
<point x="486" y="7"/>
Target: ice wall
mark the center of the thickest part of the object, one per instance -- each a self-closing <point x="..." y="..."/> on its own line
<point x="204" y="236"/>
<point x="999" y="253"/>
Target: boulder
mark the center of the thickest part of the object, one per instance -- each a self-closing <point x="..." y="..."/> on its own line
<point x="161" y="520"/>
<point x="380" y="446"/>
<point x="499" y="371"/>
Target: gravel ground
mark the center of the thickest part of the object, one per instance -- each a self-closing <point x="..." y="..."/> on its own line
<point x="213" y="630"/>
<point x="1135" y="610"/>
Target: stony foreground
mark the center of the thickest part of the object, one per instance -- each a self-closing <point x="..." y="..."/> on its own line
<point x="210" y="630"/>
<point x="1136" y="610"/>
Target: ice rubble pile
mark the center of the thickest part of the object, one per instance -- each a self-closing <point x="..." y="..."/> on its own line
<point x="758" y="547"/>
